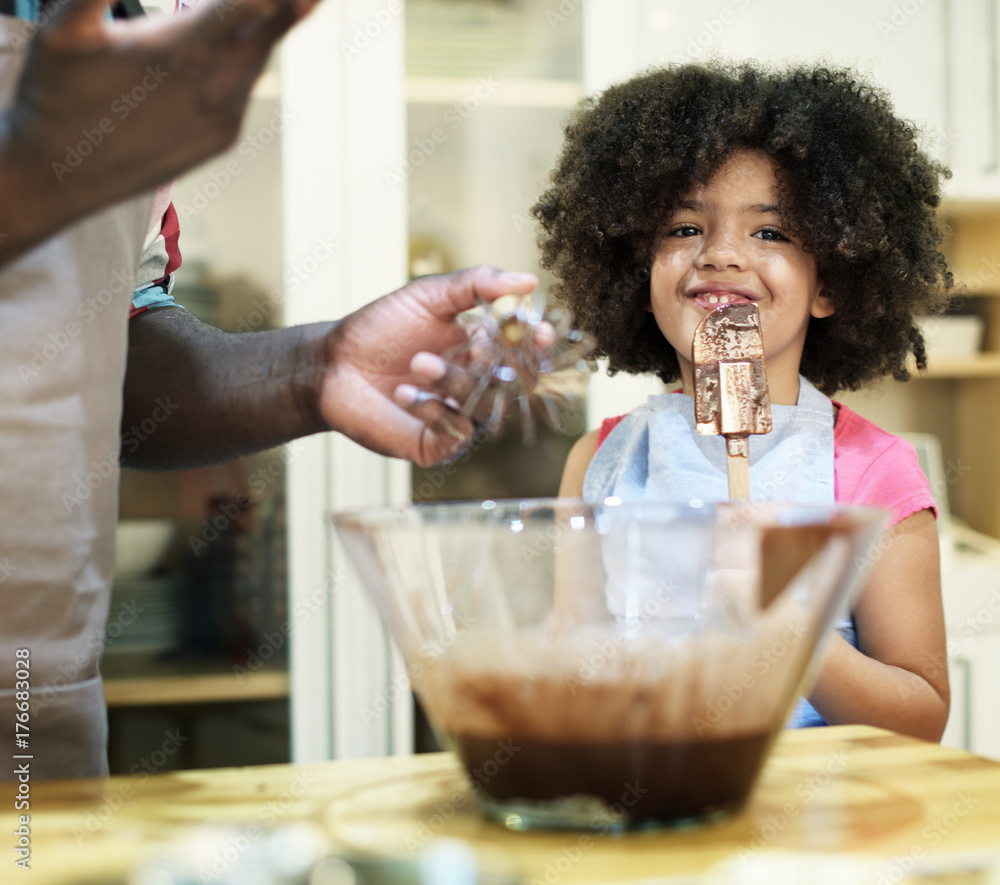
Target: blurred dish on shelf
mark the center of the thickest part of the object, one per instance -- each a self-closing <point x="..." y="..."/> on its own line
<point x="145" y="616"/>
<point x="141" y="545"/>
<point x="948" y="337"/>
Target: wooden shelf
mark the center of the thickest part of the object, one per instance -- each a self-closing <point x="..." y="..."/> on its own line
<point x="972" y="253"/>
<point x="982" y="365"/>
<point x="144" y="682"/>
<point x="970" y="287"/>
<point x="509" y="92"/>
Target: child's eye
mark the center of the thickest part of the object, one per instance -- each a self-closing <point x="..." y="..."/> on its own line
<point x="684" y="230"/>
<point x="770" y="233"/>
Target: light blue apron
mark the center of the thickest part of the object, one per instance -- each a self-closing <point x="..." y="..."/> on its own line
<point x="656" y="451"/>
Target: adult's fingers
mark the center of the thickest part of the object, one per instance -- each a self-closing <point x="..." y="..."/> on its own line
<point x="443" y="378"/>
<point x="221" y="22"/>
<point x="461" y="377"/>
<point x="448" y="295"/>
<point x="217" y="51"/>
<point x="446" y="432"/>
<point x="470" y="392"/>
<point x="79" y="15"/>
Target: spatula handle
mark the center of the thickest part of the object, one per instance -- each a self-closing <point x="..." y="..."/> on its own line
<point x="738" y="465"/>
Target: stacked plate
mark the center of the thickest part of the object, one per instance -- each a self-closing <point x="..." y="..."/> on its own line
<point x="145" y="615"/>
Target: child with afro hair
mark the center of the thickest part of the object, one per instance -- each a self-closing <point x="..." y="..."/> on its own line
<point x="691" y="187"/>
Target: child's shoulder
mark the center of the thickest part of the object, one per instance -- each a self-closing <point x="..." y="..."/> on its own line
<point x="607" y="425"/>
<point x="855" y="432"/>
<point x="877" y="468"/>
<point x="577" y="462"/>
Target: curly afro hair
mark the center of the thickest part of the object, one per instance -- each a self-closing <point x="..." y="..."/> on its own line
<point x="856" y="189"/>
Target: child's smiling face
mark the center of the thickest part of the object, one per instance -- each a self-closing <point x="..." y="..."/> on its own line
<point x="728" y="242"/>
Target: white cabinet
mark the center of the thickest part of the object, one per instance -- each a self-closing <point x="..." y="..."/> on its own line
<point x="984" y="709"/>
<point x="939" y="60"/>
<point x="958" y="732"/>
<point x="974" y="723"/>
<point x="971" y="588"/>
<point x="972" y="35"/>
<point x="905" y="52"/>
<point x="346" y="128"/>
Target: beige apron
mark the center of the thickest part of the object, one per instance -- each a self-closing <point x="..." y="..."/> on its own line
<point x="64" y="322"/>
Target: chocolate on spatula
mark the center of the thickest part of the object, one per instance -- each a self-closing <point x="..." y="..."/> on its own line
<point x="730" y="386"/>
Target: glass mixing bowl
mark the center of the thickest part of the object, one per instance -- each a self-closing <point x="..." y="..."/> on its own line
<point x="613" y="665"/>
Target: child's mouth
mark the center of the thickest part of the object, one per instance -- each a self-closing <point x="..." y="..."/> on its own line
<point x="711" y="300"/>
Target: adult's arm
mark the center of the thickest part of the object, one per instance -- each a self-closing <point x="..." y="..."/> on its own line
<point x="196" y="72"/>
<point x="195" y="395"/>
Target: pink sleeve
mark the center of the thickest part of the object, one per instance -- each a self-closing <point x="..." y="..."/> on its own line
<point x="607" y="425"/>
<point x="877" y="469"/>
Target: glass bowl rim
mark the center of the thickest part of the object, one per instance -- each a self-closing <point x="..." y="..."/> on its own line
<point x="661" y="508"/>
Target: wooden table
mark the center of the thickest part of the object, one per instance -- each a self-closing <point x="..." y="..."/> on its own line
<point x="850" y="791"/>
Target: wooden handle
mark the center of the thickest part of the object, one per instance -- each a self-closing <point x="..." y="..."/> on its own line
<point x="738" y="465"/>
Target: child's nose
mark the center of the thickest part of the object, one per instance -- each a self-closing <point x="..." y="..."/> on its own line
<point x="722" y="251"/>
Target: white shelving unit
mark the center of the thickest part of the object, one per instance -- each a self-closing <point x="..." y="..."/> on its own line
<point x="348" y="113"/>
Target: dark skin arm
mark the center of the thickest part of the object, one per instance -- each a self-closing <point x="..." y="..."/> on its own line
<point x="206" y="389"/>
<point x="215" y="395"/>
<point x="198" y="70"/>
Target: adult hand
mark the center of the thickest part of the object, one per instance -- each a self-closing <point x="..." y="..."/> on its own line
<point x="370" y="389"/>
<point x="144" y="99"/>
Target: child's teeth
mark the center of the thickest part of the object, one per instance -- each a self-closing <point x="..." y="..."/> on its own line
<point x="712" y="299"/>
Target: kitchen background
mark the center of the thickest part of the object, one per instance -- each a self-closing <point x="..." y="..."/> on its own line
<point x="391" y="140"/>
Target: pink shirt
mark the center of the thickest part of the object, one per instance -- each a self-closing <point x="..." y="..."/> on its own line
<point x="876" y="468"/>
<point x="870" y="467"/>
